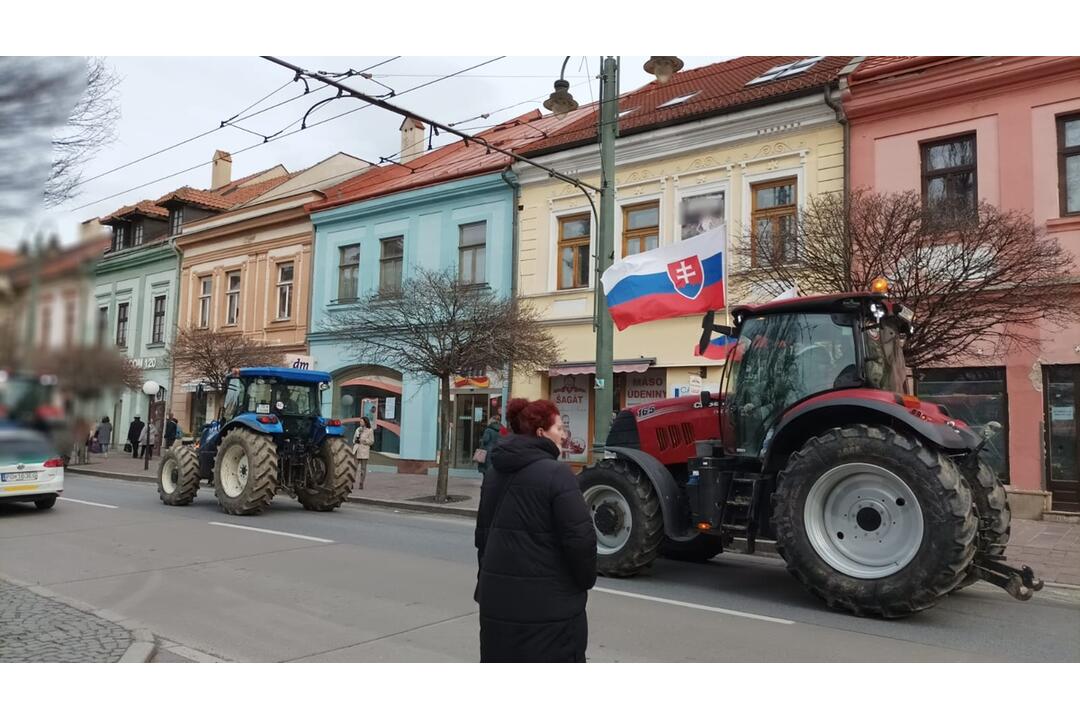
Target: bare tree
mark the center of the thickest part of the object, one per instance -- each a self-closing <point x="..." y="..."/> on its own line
<point x="86" y="371"/>
<point x="210" y="356"/>
<point x="972" y="278"/>
<point x="55" y="114"/>
<point x="441" y="327"/>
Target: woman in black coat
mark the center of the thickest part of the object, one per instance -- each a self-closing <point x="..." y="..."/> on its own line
<point x="536" y="545"/>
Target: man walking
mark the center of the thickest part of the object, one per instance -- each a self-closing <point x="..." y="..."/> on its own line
<point x="170" y="431"/>
<point x="134" y="433"/>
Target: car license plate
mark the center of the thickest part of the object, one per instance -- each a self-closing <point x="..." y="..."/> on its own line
<point x="18" y="477"/>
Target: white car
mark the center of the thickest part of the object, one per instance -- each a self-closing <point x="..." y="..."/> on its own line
<point x="30" y="470"/>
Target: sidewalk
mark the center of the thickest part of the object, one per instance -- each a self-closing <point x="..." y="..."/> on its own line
<point x="1051" y="548"/>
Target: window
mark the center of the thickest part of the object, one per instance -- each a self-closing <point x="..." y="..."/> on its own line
<point x="69" y="323"/>
<point x="977" y="396"/>
<point x="121" y="324"/>
<point x="949" y="183"/>
<point x="677" y="100"/>
<point x="232" y="297"/>
<point x="700" y="213"/>
<point x="782" y="71"/>
<point x="284" y="291"/>
<point x="157" y="331"/>
<point x="176" y="220"/>
<point x="118" y="241"/>
<point x="46" y="325"/>
<point x="206" y="290"/>
<point x="138" y="234"/>
<point x="472" y="252"/>
<point x="1069" y="163"/>
<point x="574" y="251"/>
<point x="393" y="249"/>
<point x="774" y="214"/>
<point x="349" y="273"/>
<point x="641" y="228"/>
<point x="102" y="325"/>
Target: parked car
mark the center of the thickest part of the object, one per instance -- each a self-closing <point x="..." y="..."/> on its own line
<point x="30" y="470"/>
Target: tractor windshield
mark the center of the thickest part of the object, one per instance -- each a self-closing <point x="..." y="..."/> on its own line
<point x="884" y="362"/>
<point x="271" y="395"/>
<point x="784" y="359"/>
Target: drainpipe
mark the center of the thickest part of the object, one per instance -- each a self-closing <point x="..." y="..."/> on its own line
<point x="175" y="329"/>
<point x="510" y="179"/>
<point x="841" y="118"/>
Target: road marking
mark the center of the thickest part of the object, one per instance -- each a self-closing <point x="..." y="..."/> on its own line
<point x="695" y="606"/>
<point x="272" y="532"/>
<point x="87" y="502"/>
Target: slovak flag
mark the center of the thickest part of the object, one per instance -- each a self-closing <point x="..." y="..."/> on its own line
<point x="717" y="348"/>
<point x="686" y="278"/>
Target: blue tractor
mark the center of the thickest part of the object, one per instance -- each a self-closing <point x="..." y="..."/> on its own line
<point x="269" y="436"/>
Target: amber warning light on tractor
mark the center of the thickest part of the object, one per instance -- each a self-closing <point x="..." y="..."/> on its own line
<point x="880" y="285"/>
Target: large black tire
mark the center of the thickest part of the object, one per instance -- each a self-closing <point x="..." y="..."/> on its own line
<point x="178" y="475"/>
<point x="941" y="552"/>
<point x="339" y="470"/>
<point x="256" y="479"/>
<point x="698" y="549"/>
<point x="993" y="512"/>
<point x="627" y="542"/>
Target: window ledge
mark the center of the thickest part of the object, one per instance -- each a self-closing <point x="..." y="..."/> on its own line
<point x="155" y="345"/>
<point x="1068" y="222"/>
<point x="281" y="320"/>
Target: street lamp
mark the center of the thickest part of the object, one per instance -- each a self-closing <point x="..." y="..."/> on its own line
<point x="150" y="389"/>
<point x="560" y="103"/>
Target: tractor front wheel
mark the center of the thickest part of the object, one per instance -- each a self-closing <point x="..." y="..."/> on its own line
<point x="245" y="472"/>
<point x="874" y="522"/>
<point x="333" y="471"/>
<point x="626" y="513"/>
<point x="178" y="475"/>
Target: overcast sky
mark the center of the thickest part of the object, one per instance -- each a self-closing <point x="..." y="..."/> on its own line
<point x="164" y="101"/>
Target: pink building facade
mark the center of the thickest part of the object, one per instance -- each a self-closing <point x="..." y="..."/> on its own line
<point x="1005" y="130"/>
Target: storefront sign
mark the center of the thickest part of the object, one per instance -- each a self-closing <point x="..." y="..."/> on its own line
<point x="570" y="393"/>
<point x="299" y="362"/>
<point x="645" y="387"/>
<point x="144" y="363"/>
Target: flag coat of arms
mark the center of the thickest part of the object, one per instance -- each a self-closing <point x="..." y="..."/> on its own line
<point x="671" y="281"/>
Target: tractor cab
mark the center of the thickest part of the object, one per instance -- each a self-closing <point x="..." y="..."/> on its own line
<point x="791" y="350"/>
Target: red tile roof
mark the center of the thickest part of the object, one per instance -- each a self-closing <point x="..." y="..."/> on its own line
<point x="201" y="198"/>
<point x="454" y="161"/>
<point x="65" y="262"/>
<point x="879" y="66"/>
<point x="715" y="89"/>
<point x="8" y="259"/>
<point x="143" y="207"/>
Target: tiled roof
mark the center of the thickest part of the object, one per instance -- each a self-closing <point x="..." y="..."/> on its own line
<point x="878" y="66"/>
<point x="201" y="198"/>
<point x="8" y="259"/>
<point x="143" y="207"/>
<point x="67" y="261"/>
<point x="238" y="195"/>
<point x="454" y="161"/>
<point x="712" y="90"/>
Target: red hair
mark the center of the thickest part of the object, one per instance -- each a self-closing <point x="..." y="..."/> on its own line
<point x="525" y="417"/>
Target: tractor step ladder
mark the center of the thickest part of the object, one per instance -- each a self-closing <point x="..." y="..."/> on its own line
<point x="739" y="506"/>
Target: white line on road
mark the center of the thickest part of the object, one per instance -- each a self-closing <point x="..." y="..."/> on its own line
<point x="272" y="532"/>
<point x="87" y="502"/>
<point x="695" y="606"/>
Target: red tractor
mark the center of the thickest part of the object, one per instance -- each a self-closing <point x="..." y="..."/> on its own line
<point x="877" y="501"/>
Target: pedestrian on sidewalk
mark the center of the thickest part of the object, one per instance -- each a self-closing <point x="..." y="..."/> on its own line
<point x="148" y="439"/>
<point x="171" y="431"/>
<point x="134" y="432"/>
<point x="488" y="439"/>
<point x="103" y="435"/>
<point x="363" y="439"/>
<point x="535" y="543"/>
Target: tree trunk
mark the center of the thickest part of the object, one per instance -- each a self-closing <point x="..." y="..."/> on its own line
<point x="445" y="451"/>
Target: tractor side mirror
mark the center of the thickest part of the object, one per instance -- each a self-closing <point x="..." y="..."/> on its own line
<point x="706" y="398"/>
<point x="706" y="332"/>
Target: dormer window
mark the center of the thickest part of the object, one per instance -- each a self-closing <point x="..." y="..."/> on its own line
<point x="120" y="237"/>
<point x="138" y="234"/>
<point x="176" y="220"/>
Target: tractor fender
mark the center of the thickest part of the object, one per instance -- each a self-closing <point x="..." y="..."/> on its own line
<point x="817" y="416"/>
<point x="676" y="526"/>
<point x="250" y="421"/>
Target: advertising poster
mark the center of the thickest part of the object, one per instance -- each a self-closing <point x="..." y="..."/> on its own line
<point x="570" y="393"/>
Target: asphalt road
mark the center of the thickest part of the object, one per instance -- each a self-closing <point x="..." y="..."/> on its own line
<point x="377" y="585"/>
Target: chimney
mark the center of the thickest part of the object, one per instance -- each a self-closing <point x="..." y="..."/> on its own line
<point x="412" y="139"/>
<point x="222" y="172"/>
<point x="91" y="230"/>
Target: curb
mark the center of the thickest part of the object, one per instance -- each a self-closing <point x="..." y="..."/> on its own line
<point x="415" y="506"/>
<point x="113" y="475"/>
<point x="143" y="642"/>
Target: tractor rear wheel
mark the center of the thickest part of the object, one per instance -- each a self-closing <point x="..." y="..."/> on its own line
<point x="698" y="549"/>
<point x="993" y="513"/>
<point x="245" y="472"/>
<point x="626" y="513"/>
<point x="874" y="522"/>
<point x="178" y="475"/>
<point x="334" y="469"/>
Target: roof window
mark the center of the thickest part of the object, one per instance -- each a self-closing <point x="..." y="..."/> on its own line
<point x="677" y="101"/>
<point x="787" y="70"/>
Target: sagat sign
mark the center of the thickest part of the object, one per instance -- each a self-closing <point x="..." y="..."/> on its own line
<point x="687" y="276"/>
<point x="299" y="362"/>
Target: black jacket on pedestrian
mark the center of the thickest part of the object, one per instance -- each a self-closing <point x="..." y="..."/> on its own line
<point x="135" y="430"/>
<point x="170" y="429"/>
<point x="536" y="547"/>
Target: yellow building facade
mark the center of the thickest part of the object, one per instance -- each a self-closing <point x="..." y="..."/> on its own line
<point x="743" y="169"/>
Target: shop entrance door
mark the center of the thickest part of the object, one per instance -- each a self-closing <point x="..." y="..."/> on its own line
<point x="1062" y="387"/>
<point x="470" y="415"/>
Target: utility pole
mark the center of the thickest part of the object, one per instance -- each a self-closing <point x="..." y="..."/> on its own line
<point x="605" y="250"/>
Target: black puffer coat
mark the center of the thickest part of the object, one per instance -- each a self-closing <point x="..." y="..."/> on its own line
<point x="537" y="553"/>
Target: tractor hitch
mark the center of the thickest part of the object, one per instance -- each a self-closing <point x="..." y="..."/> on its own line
<point x="1020" y="583"/>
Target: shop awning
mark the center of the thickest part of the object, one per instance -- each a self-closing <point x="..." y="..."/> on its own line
<point x="620" y="366"/>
